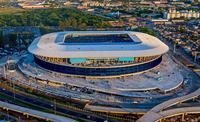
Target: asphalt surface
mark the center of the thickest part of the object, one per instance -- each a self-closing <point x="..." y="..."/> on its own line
<point x="47" y="105"/>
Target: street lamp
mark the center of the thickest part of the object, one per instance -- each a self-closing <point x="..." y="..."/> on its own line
<point x="54" y="106"/>
<point x="176" y="42"/>
<point x="10" y="66"/>
<point x="4" y="71"/>
<point x="195" y="55"/>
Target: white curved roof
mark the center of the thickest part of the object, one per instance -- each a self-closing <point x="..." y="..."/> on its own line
<point x="53" y="45"/>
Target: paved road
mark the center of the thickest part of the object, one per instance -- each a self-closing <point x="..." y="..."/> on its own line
<point x="35" y="113"/>
<point x="154" y="112"/>
<point x="172" y="112"/>
<point x="51" y="107"/>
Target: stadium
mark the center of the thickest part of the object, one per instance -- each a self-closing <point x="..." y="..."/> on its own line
<point x="98" y="54"/>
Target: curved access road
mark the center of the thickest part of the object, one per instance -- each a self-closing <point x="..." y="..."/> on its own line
<point x="156" y="117"/>
<point x="155" y="112"/>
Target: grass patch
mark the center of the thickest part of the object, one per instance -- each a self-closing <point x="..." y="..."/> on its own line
<point x="4" y="11"/>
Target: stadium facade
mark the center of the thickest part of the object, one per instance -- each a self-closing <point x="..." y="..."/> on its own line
<point x="98" y="54"/>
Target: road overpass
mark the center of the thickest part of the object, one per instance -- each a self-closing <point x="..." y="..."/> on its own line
<point x="156" y="117"/>
<point x="156" y="112"/>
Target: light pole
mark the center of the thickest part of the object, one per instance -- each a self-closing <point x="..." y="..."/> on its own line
<point x="174" y="49"/>
<point x="4" y="71"/>
<point x="13" y="86"/>
<point x="54" y="106"/>
<point x="195" y="56"/>
<point x="10" y="66"/>
<point x="176" y="41"/>
<point x="8" y="115"/>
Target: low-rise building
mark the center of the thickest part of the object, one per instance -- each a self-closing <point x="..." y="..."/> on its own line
<point x="33" y="5"/>
<point x="173" y="13"/>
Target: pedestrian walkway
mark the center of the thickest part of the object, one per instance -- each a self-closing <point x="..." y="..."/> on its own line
<point x="114" y="109"/>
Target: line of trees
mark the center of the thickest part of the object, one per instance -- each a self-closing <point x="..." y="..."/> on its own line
<point x="1" y="39"/>
<point x="62" y="17"/>
<point x="145" y="30"/>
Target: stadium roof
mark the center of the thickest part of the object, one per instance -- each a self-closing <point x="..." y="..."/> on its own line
<point x="91" y="44"/>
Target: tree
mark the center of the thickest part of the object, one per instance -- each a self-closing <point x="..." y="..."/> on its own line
<point x="182" y="29"/>
<point x="1" y="39"/>
<point x="12" y="39"/>
<point x="13" y="22"/>
<point x="53" y="19"/>
<point x="62" y="17"/>
<point x="145" y="30"/>
<point x="82" y="26"/>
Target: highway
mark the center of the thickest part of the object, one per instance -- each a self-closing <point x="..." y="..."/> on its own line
<point x="46" y="105"/>
<point x="34" y="113"/>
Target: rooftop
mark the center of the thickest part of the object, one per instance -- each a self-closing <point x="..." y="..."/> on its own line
<point x="98" y="38"/>
<point x="97" y="44"/>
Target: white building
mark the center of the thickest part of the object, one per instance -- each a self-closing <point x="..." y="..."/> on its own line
<point x="172" y="13"/>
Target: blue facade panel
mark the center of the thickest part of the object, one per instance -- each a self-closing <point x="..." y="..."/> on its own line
<point x="77" y="60"/>
<point x="125" y="59"/>
<point x="98" y="71"/>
